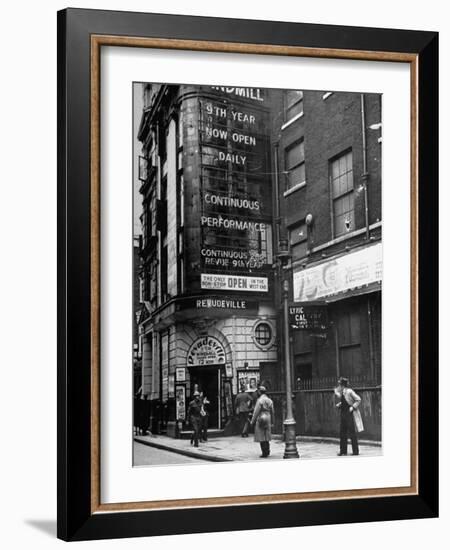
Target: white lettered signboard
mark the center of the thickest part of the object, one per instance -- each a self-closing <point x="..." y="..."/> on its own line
<point x="353" y="270"/>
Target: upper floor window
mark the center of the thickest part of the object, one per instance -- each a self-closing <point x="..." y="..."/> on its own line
<point x="146" y="218"/>
<point x="293" y="104"/>
<point x="298" y="238"/>
<point x="295" y="164"/>
<point x="342" y="194"/>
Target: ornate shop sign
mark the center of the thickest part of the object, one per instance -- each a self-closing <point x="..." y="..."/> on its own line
<point x="206" y="351"/>
<point x="214" y="281"/>
<point x="351" y="271"/>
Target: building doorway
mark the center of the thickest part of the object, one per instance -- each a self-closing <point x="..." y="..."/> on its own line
<point x="207" y="380"/>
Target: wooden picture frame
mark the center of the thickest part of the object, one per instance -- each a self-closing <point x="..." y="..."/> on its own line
<point x="81" y="35"/>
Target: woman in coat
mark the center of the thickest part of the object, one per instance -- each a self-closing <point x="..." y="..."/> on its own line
<point x="351" y="421"/>
<point x="263" y="419"/>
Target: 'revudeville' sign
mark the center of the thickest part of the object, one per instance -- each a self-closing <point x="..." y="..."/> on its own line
<point x="218" y="302"/>
<point x="308" y="317"/>
<point x="235" y="220"/>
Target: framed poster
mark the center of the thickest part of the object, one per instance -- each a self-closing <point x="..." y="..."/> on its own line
<point x="238" y="210"/>
<point x="181" y="403"/>
<point x="229" y="370"/>
<point x="248" y="379"/>
<point x="180" y="374"/>
<point x="171" y="385"/>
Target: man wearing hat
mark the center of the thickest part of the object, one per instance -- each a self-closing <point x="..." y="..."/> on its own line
<point x="195" y="417"/>
<point x="263" y="419"/>
<point x="242" y="406"/>
<point x="351" y="421"/>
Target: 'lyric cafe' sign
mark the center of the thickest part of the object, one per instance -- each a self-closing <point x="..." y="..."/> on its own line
<point x="235" y="250"/>
<point x="308" y="317"/>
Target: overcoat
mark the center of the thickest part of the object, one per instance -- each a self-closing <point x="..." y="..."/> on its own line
<point x="263" y="418"/>
<point x="354" y="401"/>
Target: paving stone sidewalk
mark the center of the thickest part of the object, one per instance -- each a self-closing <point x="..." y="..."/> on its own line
<point x="236" y="448"/>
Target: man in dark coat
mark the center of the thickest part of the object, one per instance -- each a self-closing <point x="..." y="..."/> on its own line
<point x="195" y="417"/>
<point x="204" y="416"/>
<point x="242" y="406"/>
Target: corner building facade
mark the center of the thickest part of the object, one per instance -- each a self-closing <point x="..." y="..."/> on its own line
<point x="208" y="320"/>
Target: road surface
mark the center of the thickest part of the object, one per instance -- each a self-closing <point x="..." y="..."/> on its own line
<point x="146" y="456"/>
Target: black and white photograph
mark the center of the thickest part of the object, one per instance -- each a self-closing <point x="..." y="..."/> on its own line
<point x="257" y="276"/>
<point x="231" y="248"/>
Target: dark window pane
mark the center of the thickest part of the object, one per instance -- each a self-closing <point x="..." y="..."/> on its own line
<point x="299" y="250"/>
<point x="295" y="154"/>
<point x="295" y="110"/>
<point x="296" y="175"/>
<point x="293" y="104"/>
<point x="263" y="334"/>
<point x="298" y="234"/>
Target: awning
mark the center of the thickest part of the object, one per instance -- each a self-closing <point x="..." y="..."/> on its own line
<point x="358" y="291"/>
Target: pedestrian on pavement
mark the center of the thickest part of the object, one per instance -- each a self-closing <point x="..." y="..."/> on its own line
<point x="242" y="406"/>
<point x="194" y="414"/>
<point x="263" y="419"/>
<point x="204" y="412"/>
<point x="351" y="421"/>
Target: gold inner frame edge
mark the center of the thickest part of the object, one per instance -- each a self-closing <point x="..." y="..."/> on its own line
<point x="97" y="41"/>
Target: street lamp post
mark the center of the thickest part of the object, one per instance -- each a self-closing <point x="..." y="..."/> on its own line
<point x="290" y="449"/>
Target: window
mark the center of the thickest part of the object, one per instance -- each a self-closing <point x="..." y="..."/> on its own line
<point x="146" y="219"/>
<point x="342" y="194"/>
<point x="293" y="104"/>
<point x="143" y="164"/>
<point x="295" y="164"/>
<point x="298" y="238"/>
<point x="349" y="335"/>
<point x="263" y="335"/>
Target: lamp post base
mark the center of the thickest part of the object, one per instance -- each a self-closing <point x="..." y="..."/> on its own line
<point x="290" y="449"/>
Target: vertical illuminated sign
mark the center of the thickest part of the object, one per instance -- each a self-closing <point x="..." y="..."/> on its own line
<point x="235" y="219"/>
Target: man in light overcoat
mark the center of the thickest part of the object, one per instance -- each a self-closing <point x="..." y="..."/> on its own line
<point x="263" y="419"/>
<point x="351" y="421"/>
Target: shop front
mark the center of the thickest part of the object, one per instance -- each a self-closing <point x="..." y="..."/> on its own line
<point x="344" y="296"/>
<point x="214" y="357"/>
<point x="206" y="360"/>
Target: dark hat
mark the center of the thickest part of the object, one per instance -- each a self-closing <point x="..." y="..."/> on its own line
<point x="343" y="381"/>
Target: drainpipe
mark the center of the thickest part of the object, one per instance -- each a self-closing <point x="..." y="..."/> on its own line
<point x="276" y="247"/>
<point x="277" y="219"/>
<point x="365" y="174"/>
